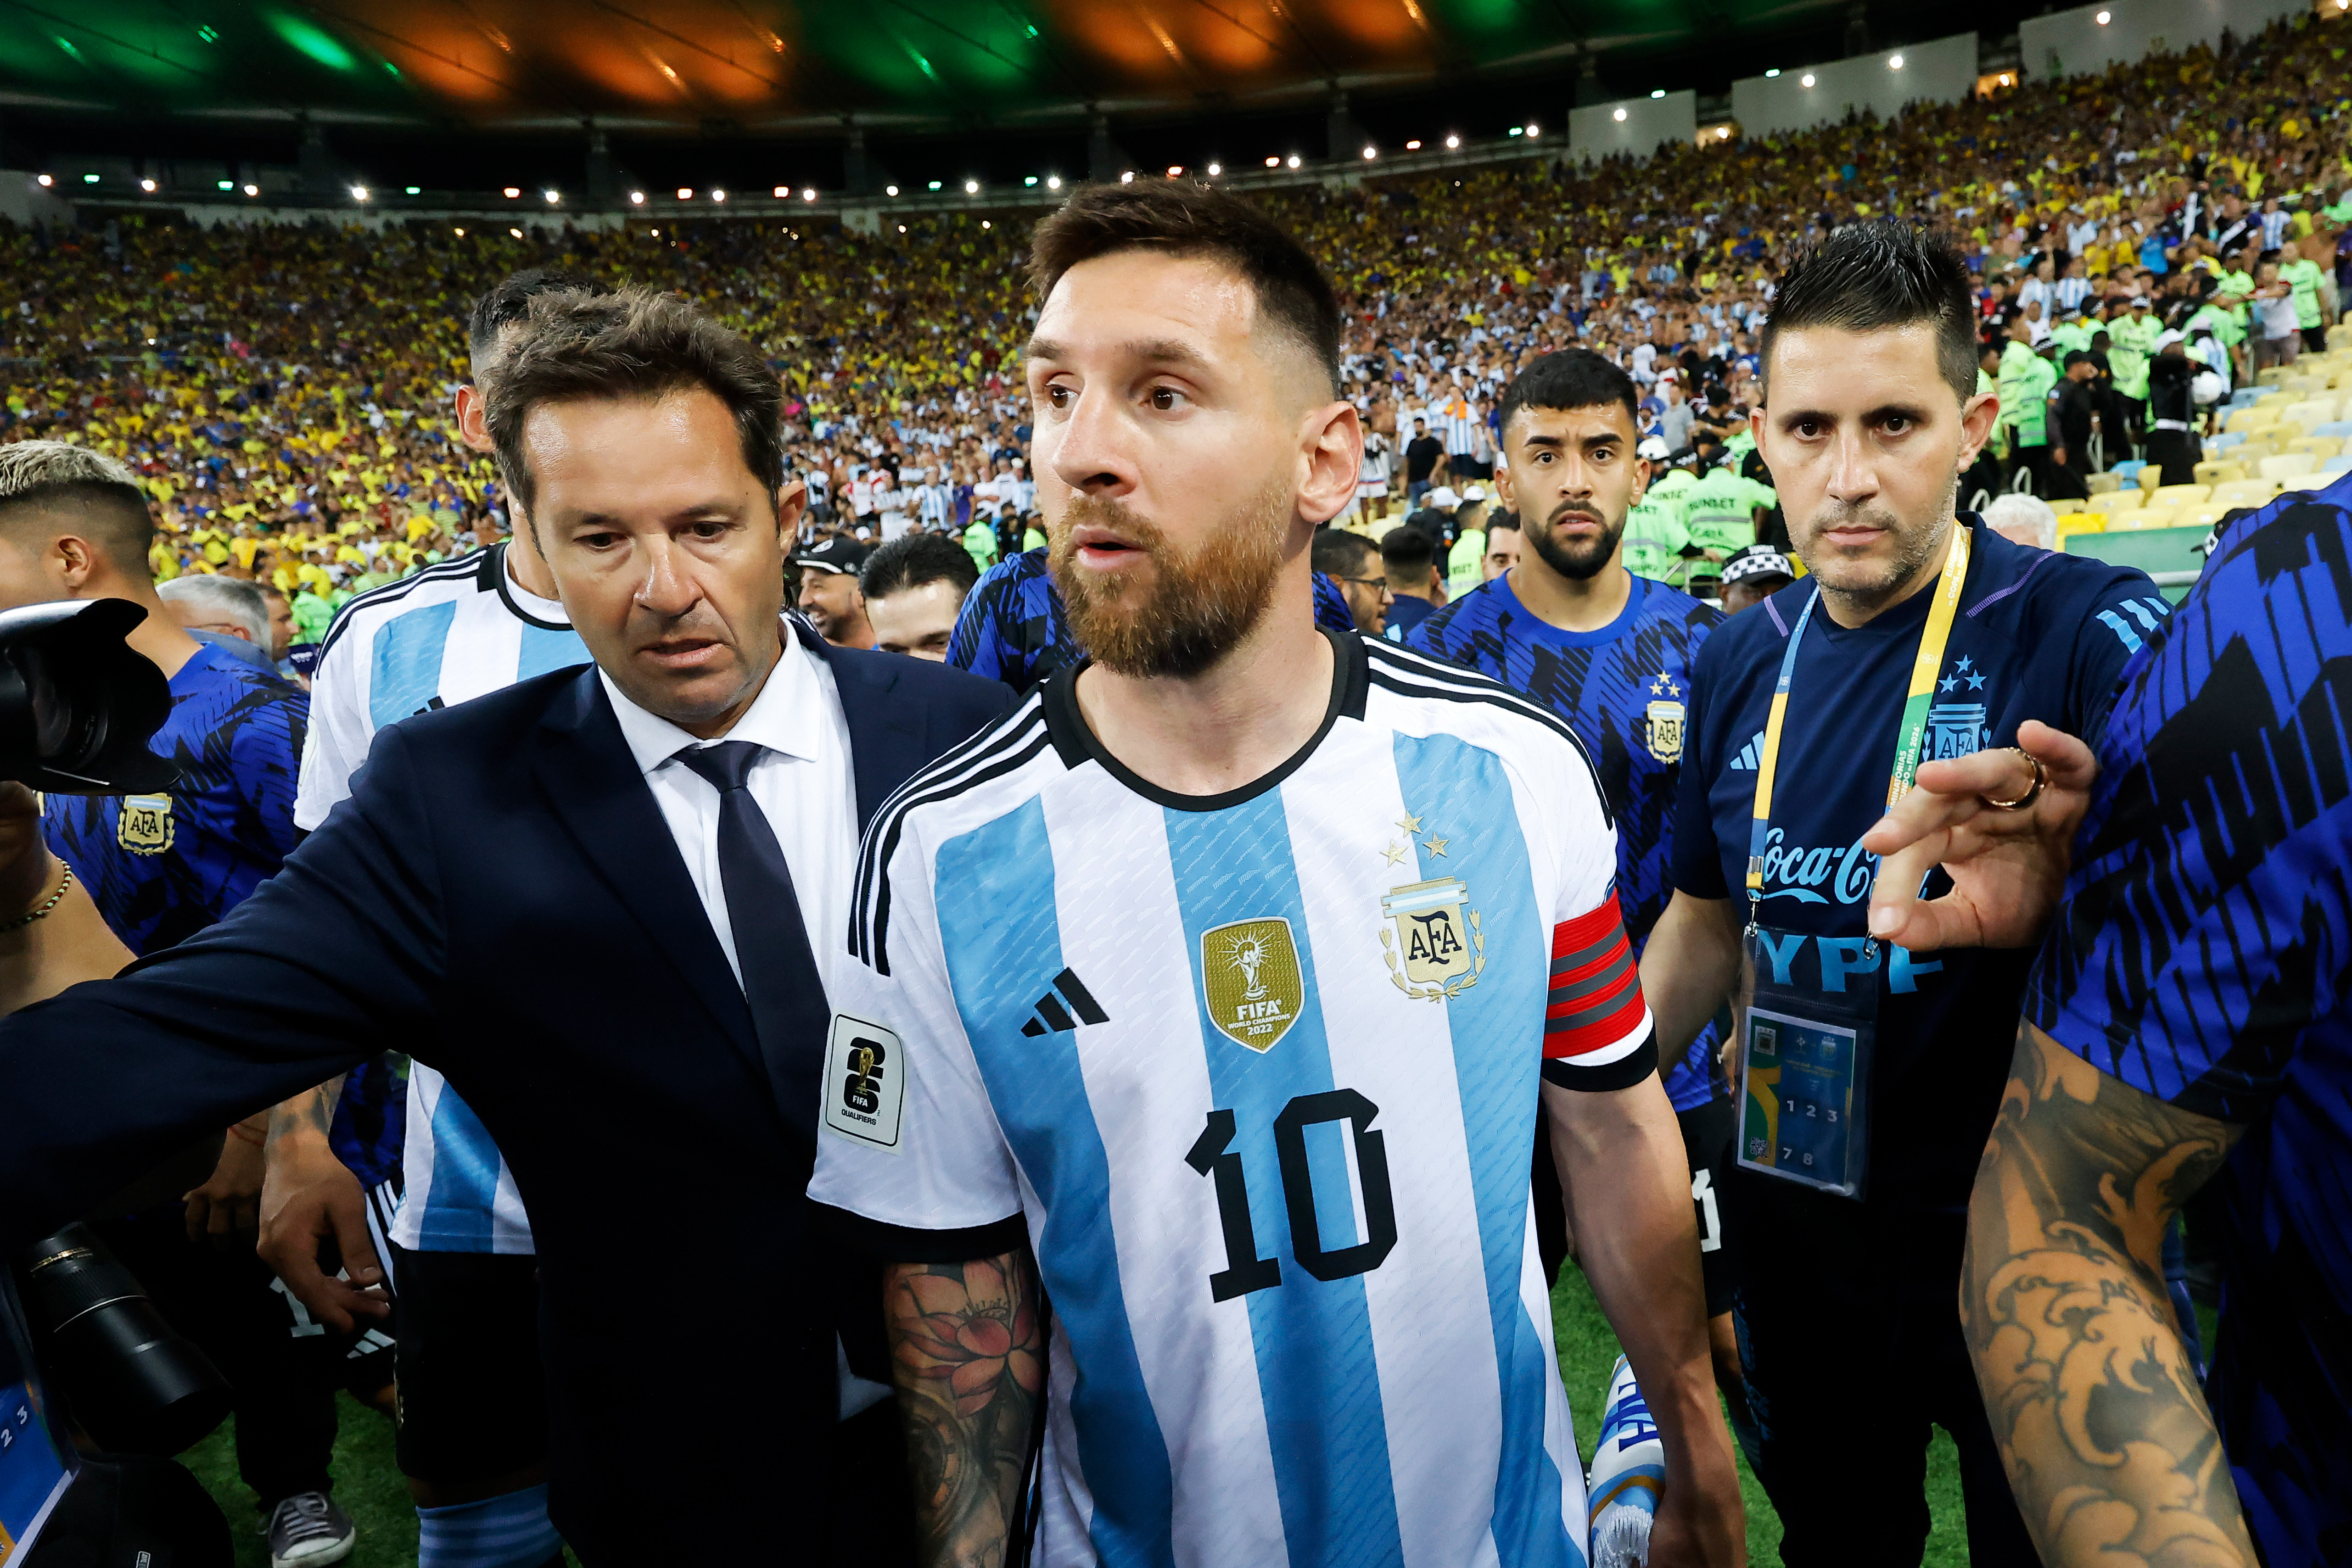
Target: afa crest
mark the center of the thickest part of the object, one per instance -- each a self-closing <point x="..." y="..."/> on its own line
<point x="1434" y="944"/>
<point x="1251" y="981"/>
<point x="145" y="826"/>
<point x="1664" y="728"/>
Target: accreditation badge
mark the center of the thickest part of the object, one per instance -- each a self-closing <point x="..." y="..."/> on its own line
<point x="1808" y="1029"/>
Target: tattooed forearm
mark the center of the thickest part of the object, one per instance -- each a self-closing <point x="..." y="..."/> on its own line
<point x="969" y="1361"/>
<point x="311" y="1112"/>
<point x="2106" y="1436"/>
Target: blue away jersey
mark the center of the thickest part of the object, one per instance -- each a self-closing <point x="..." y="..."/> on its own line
<point x="1624" y="689"/>
<point x="2038" y="635"/>
<point x="2202" y="956"/>
<point x="1012" y="628"/>
<point x="163" y="867"/>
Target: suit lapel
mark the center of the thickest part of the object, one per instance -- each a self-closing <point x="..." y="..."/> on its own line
<point x="885" y="740"/>
<point x="595" y="788"/>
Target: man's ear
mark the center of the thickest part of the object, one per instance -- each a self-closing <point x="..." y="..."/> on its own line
<point x="791" y="500"/>
<point x="73" y="561"/>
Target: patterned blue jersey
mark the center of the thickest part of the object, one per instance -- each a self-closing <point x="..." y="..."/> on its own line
<point x="163" y="867"/>
<point x="2202" y="957"/>
<point x="1012" y="627"/>
<point x="1624" y="689"/>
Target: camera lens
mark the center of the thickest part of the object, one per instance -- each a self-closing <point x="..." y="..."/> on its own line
<point x="67" y="735"/>
<point x="134" y="1385"/>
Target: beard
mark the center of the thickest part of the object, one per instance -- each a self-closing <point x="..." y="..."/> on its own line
<point x="1197" y="604"/>
<point x="1581" y="560"/>
<point x="1869" y="579"/>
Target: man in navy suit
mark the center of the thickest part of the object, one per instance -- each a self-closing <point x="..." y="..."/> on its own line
<point x="602" y="902"/>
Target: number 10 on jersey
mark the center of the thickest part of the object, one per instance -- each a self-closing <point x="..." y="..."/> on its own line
<point x="1212" y="1156"/>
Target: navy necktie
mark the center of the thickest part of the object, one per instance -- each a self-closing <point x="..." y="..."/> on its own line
<point x="772" y="945"/>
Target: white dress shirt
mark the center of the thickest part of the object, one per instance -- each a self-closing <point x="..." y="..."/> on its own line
<point x="803" y="785"/>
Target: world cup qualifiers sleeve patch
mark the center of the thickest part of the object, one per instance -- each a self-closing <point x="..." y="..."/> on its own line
<point x="1597" y="1029"/>
<point x="865" y="1081"/>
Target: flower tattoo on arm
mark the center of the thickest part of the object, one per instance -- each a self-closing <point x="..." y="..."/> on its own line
<point x="967" y="1357"/>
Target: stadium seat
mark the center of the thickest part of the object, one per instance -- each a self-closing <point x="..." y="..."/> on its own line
<point x="2265" y="443"/>
<point x="2220" y="473"/>
<point x="2305" y="385"/>
<point x="2081" y="523"/>
<point x="2317" y="445"/>
<point x="2310" y="412"/>
<point x="2243" y="492"/>
<point x="2104" y="484"/>
<point x="2336" y="427"/>
<point x="2340" y="464"/>
<point x="2273" y="376"/>
<point x="2242" y="398"/>
<point x="2179" y="494"/>
<point x="2128" y="470"/>
<point x="2249" y="420"/>
<point x="2117" y="500"/>
<point x="2144" y="517"/>
<point x="2066" y="507"/>
<point x="2217" y="444"/>
<point x="2289" y="465"/>
<point x="2148" y="478"/>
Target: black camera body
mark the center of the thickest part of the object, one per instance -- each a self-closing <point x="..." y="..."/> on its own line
<point x="76" y="705"/>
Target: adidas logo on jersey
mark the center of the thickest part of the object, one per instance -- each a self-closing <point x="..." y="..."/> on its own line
<point x="1750" y="754"/>
<point x="1053" y="1016"/>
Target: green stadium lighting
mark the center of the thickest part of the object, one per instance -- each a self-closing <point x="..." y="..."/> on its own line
<point x="89" y="179"/>
<point x="412" y="190"/>
<point x="209" y="35"/>
<point x="1773" y="72"/>
<point x="1661" y="92"/>
<point x="316" y="42"/>
<point x="935" y="185"/>
<point x="1030" y="180"/>
<point x="225" y="185"/>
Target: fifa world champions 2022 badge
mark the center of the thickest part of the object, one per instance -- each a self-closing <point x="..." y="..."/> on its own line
<point x="1251" y="980"/>
<point x="1434" y="944"/>
<point x="145" y="826"/>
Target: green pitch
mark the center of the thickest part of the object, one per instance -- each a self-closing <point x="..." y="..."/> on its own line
<point x="368" y="1485"/>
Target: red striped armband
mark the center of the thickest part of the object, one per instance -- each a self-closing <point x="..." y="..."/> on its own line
<point x="1594" y="1014"/>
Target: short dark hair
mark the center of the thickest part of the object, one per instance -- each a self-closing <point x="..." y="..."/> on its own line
<point x="508" y="301"/>
<point x="77" y="487"/>
<point x="1181" y="218"/>
<point x="1407" y="551"/>
<point x="1571" y="378"/>
<point x="1502" y="523"/>
<point x="1337" y="552"/>
<point x="918" y="560"/>
<point x="632" y="343"/>
<point x="1876" y="275"/>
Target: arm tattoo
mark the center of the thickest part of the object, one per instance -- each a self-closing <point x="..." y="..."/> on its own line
<point x="2105" y="1431"/>
<point x="969" y="1361"/>
<point x="310" y="1112"/>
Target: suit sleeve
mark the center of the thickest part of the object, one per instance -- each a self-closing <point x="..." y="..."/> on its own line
<point x="335" y="959"/>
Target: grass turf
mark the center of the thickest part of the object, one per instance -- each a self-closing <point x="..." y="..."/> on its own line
<point x="369" y="1485"/>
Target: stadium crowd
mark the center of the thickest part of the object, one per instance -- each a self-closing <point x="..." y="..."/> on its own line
<point x="337" y="417"/>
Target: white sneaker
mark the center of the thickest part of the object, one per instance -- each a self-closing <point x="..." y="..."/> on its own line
<point x="308" y="1530"/>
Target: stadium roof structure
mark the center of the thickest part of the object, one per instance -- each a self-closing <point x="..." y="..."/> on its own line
<point x="768" y="67"/>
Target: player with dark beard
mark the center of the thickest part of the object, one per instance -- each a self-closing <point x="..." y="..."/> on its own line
<point x="1611" y="653"/>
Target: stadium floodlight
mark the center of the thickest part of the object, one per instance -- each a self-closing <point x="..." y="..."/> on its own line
<point x="1413" y="146"/>
<point x="512" y="191"/>
<point x="1452" y="142"/>
<point x="986" y="225"/>
<point x="1127" y="177"/>
<point x="552" y="196"/>
<point x="359" y="193"/>
<point x="2104" y="17"/>
<point x="89" y="179"/>
<point x="902" y="228"/>
<point x="253" y="190"/>
<point x="1657" y="92"/>
<point x="47" y="180"/>
<point x="412" y="190"/>
<point x="636" y="198"/>
<point x="1175" y="170"/>
<point x="808" y="193"/>
<point x="1519" y="129"/>
<point x="224" y="185"/>
<point x="935" y="185"/>
<point x="1531" y="129"/>
<point x="972" y="187"/>
<point x="1894" y="62"/>
<point x="1294" y="159"/>
<point x="1215" y="169"/>
<point x="685" y="192"/>
<point x="1275" y="162"/>
<point x="1773" y="72"/>
<point x="782" y="192"/>
<point x="1053" y="182"/>
<point x="516" y="233"/>
<point x="1029" y="179"/>
<point x="148" y="186"/>
<point x="460" y="233"/>
<point x="717" y="195"/>
<point x="889" y="190"/>
<point x="1372" y="151"/>
<point x="1805" y="80"/>
<point x="1620" y="115"/>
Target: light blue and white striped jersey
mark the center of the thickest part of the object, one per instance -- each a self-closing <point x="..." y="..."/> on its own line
<point x="460" y="630"/>
<point x="1257" y="1074"/>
